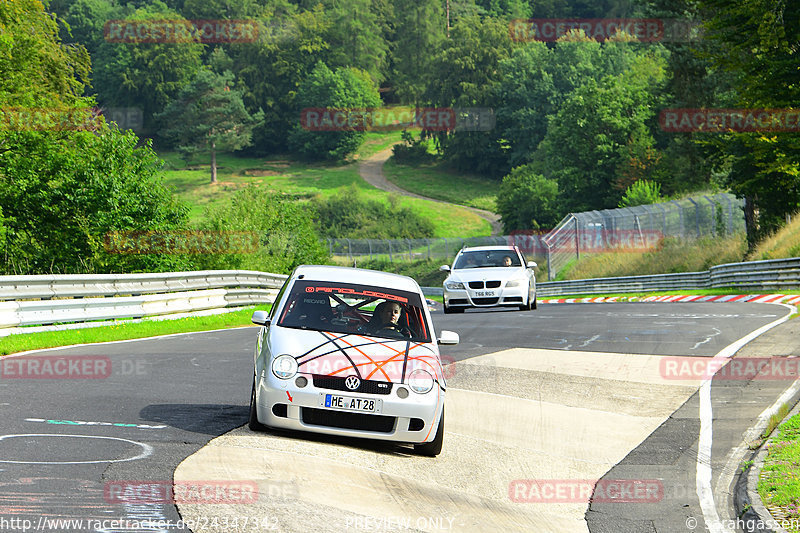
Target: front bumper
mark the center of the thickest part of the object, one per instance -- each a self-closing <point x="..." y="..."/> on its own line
<point x="411" y="420"/>
<point x="501" y="296"/>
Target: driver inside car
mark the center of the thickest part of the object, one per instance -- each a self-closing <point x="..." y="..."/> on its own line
<point x="385" y="319"/>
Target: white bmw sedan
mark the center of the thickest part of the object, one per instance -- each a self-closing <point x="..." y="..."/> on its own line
<point x="350" y="352"/>
<point x="489" y="276"/>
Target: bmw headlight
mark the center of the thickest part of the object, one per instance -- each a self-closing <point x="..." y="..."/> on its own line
<point x="284" y="366"/>
<point x="514" y="283"/>
<point x="420" y="381"/>
<point x="454" y="285"/>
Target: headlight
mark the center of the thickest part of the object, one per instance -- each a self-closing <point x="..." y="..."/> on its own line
<point x="454" y="285"/>
<point x="284" y="366"/>
<point x="514" y="283"/>
<point x="420" y="381"/>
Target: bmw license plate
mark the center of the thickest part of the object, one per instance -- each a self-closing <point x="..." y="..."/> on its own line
<point x="351" y="403"/>
<point x="480" y="294"/>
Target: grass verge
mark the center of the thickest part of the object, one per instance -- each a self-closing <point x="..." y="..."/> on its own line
<point x="125" y="331"/>
<point x="672" y="255"/>
<point x="435" y="181"/>
<point x="779" y="482"/>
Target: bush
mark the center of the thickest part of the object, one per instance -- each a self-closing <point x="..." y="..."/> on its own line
<point x="287" y="237"/>
<point x="527" y="200"/>
<point x="642" y="192"/>
<point x="411" y="151"/>
<point x="348" y="215"/>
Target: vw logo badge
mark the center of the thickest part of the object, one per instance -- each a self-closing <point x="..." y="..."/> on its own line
<point x="352" y="382"/>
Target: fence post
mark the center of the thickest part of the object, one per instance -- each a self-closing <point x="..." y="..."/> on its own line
<point x="696" y="215"/>
<point x="428" y="242"/>
<point x="369" y="242"/>
<point x="577" y="240"/>
<point x="349" y="249"/>
<point x="713" y="215"/>
<point x="391" y="260"/>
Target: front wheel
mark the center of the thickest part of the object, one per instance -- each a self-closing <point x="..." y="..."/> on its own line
<point x="434" y="447"/>
<point x="451" y="310"/>
<point x="253" y="422"/>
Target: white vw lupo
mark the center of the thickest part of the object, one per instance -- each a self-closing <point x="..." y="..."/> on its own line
<point x="328" y="361"/>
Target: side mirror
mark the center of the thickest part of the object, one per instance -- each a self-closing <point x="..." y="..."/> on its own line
<point x="532" y="264"/>
<point x="448" y="337"/>
<point x="444" y="268"/>
<point x="261" y="318"/>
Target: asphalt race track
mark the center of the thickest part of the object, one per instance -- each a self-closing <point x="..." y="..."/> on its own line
<point x="543" y="408"/>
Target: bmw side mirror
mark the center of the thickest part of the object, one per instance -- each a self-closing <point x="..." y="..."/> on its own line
<point x="448" y="337"/>
<point x="532" y="264"/>
<point x="444" y="268"/>
<point x="261" y="318"/>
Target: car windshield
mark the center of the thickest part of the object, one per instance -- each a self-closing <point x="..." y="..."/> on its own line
<point x="488" y="258"/>
<point x="356" y="309"/>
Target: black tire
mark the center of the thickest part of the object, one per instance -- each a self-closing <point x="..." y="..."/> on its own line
<point x="253" y="422"/>
<point x="434" y="447"/>
<point x="535" y="303"/>
<point x="451" y="310"/>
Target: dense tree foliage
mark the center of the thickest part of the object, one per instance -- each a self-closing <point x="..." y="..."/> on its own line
<point x="577" y="120"/>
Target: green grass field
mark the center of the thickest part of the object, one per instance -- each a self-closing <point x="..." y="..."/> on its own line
<point x="434" y="181"/>
<point x="191" y="182"/>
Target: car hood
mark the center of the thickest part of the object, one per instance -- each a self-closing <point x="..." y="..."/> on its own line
<point x="342" y="354"/>
<point x="486" y="274"/>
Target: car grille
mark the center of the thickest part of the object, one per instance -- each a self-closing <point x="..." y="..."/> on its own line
<point x="458" y="301"/>
<point x="475" y="284"/>
<point x="340" y="420"/>
<point x="485" y="301"/>
<point x="366" y="387"/>
<point x="492" y="284"/>
<point x="513" y="299"/>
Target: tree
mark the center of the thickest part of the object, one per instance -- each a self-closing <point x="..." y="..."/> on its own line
<point x="466" y="76"/>
<point x="595" y="128"/>
<point x="758" y="45"/>
<point x="270" y="70"/>
<point x="355" y="37"/>
<point x="145" y="75"/>
<point x="208" y="114"/>
<point x="420" y="28"/>
<point x="344" y="89"/>
<point x="84" y="22"/>
<point x="527" y="200"/>
<point x="35" y="70"/>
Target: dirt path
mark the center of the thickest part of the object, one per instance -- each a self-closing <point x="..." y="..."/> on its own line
<point x="371" y="170"/>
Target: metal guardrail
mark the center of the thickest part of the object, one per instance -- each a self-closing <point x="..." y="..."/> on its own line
<point x="50" y="299"/>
